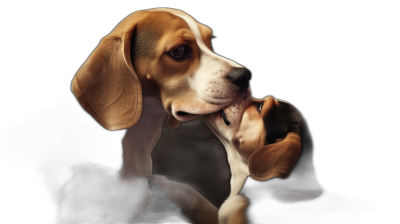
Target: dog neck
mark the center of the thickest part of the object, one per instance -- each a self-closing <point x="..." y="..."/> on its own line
<point x="131" y="189"/>
<point x="239" y="168"/>
<point x="140" y="139"/>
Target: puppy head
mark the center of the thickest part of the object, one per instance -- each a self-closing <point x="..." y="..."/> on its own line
<point x="162" y="53"/>
<point x="266" y="133"/>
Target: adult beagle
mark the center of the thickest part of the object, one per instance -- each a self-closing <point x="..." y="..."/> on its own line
<point x="264" y="139"/>
<point x="153" y="62"/>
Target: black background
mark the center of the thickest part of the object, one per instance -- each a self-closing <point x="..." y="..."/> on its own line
<point x="308" y="55"/>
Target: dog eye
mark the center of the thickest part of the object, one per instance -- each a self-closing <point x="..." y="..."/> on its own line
<point x="259" y="106"/>
<point x="178" y="52"/>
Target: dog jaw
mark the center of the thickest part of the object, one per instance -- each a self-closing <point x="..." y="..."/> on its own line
<point x="227" y="133"/>
<point x="185" y="110"/>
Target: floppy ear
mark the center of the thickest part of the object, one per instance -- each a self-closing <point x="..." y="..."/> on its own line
<point x="275" y="160"/>
<point x="106" y="85"/>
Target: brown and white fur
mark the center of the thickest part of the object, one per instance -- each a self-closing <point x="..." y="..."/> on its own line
<point x="154" y="61"/>
<point x="263" y="139"/>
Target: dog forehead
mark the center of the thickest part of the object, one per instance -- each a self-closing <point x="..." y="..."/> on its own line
<point x="162" y="22"/>
<point x="170" y="10"/>
<point x="201" y="31"/>
<point x="202" y="34"/>
<point x="281" y="119"/>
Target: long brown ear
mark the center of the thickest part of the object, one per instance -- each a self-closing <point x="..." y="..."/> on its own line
<point x="275" y="160"/>
<point x="106" y="85"/>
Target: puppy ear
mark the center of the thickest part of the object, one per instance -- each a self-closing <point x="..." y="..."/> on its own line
<point x="106" y="85"/>
<point x="173" y="123"/>
<point x="275" y="160"/>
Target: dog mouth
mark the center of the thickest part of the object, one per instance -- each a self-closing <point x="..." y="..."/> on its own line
<point x="182" y="113"/>
<point x="185" y="113"/>
<point x="223" y="115"/>
<point x="185" y="116"/>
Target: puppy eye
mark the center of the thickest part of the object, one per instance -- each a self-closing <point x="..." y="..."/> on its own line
<point x="259" y="106"/>
<point x="178" y="52"/>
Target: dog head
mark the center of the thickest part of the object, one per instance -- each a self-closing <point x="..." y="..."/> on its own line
<point x="162" y="53"/>
<point x="265" y="134"/>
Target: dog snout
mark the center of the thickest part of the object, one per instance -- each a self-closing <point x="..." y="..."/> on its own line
<point x="240" y="77"/>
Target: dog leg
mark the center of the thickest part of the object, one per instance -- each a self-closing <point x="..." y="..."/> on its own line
<point x="193" y="205"/>
<point x="233" y="211"/>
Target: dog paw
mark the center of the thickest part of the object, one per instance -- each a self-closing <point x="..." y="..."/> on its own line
<point x="181" y="194"/>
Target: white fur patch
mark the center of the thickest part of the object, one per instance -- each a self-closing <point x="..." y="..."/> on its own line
<point x="293" y="196"/>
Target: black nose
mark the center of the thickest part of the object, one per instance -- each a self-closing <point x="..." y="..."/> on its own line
<point x="240" y="77"/>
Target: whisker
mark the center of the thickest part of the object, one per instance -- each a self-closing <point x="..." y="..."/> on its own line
<point x="216" y="146"/>
<point x="214" y="138"/>
<point x="211" y="136"/>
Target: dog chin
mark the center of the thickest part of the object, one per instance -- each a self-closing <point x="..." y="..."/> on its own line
<point x="186" y="113"/>
<point x="226" y="118"/>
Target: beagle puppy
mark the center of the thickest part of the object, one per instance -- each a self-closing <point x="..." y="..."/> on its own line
<point x="263" y="139"/>
<point x="154" y="62"/>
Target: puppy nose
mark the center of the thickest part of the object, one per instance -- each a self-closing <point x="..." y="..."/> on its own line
<point x="240" y="77"/>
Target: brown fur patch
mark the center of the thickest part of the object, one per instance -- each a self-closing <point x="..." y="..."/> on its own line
<point x="240" y="216"/>
<point x="269" y="104"/>
<point x="275" y="160"/>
